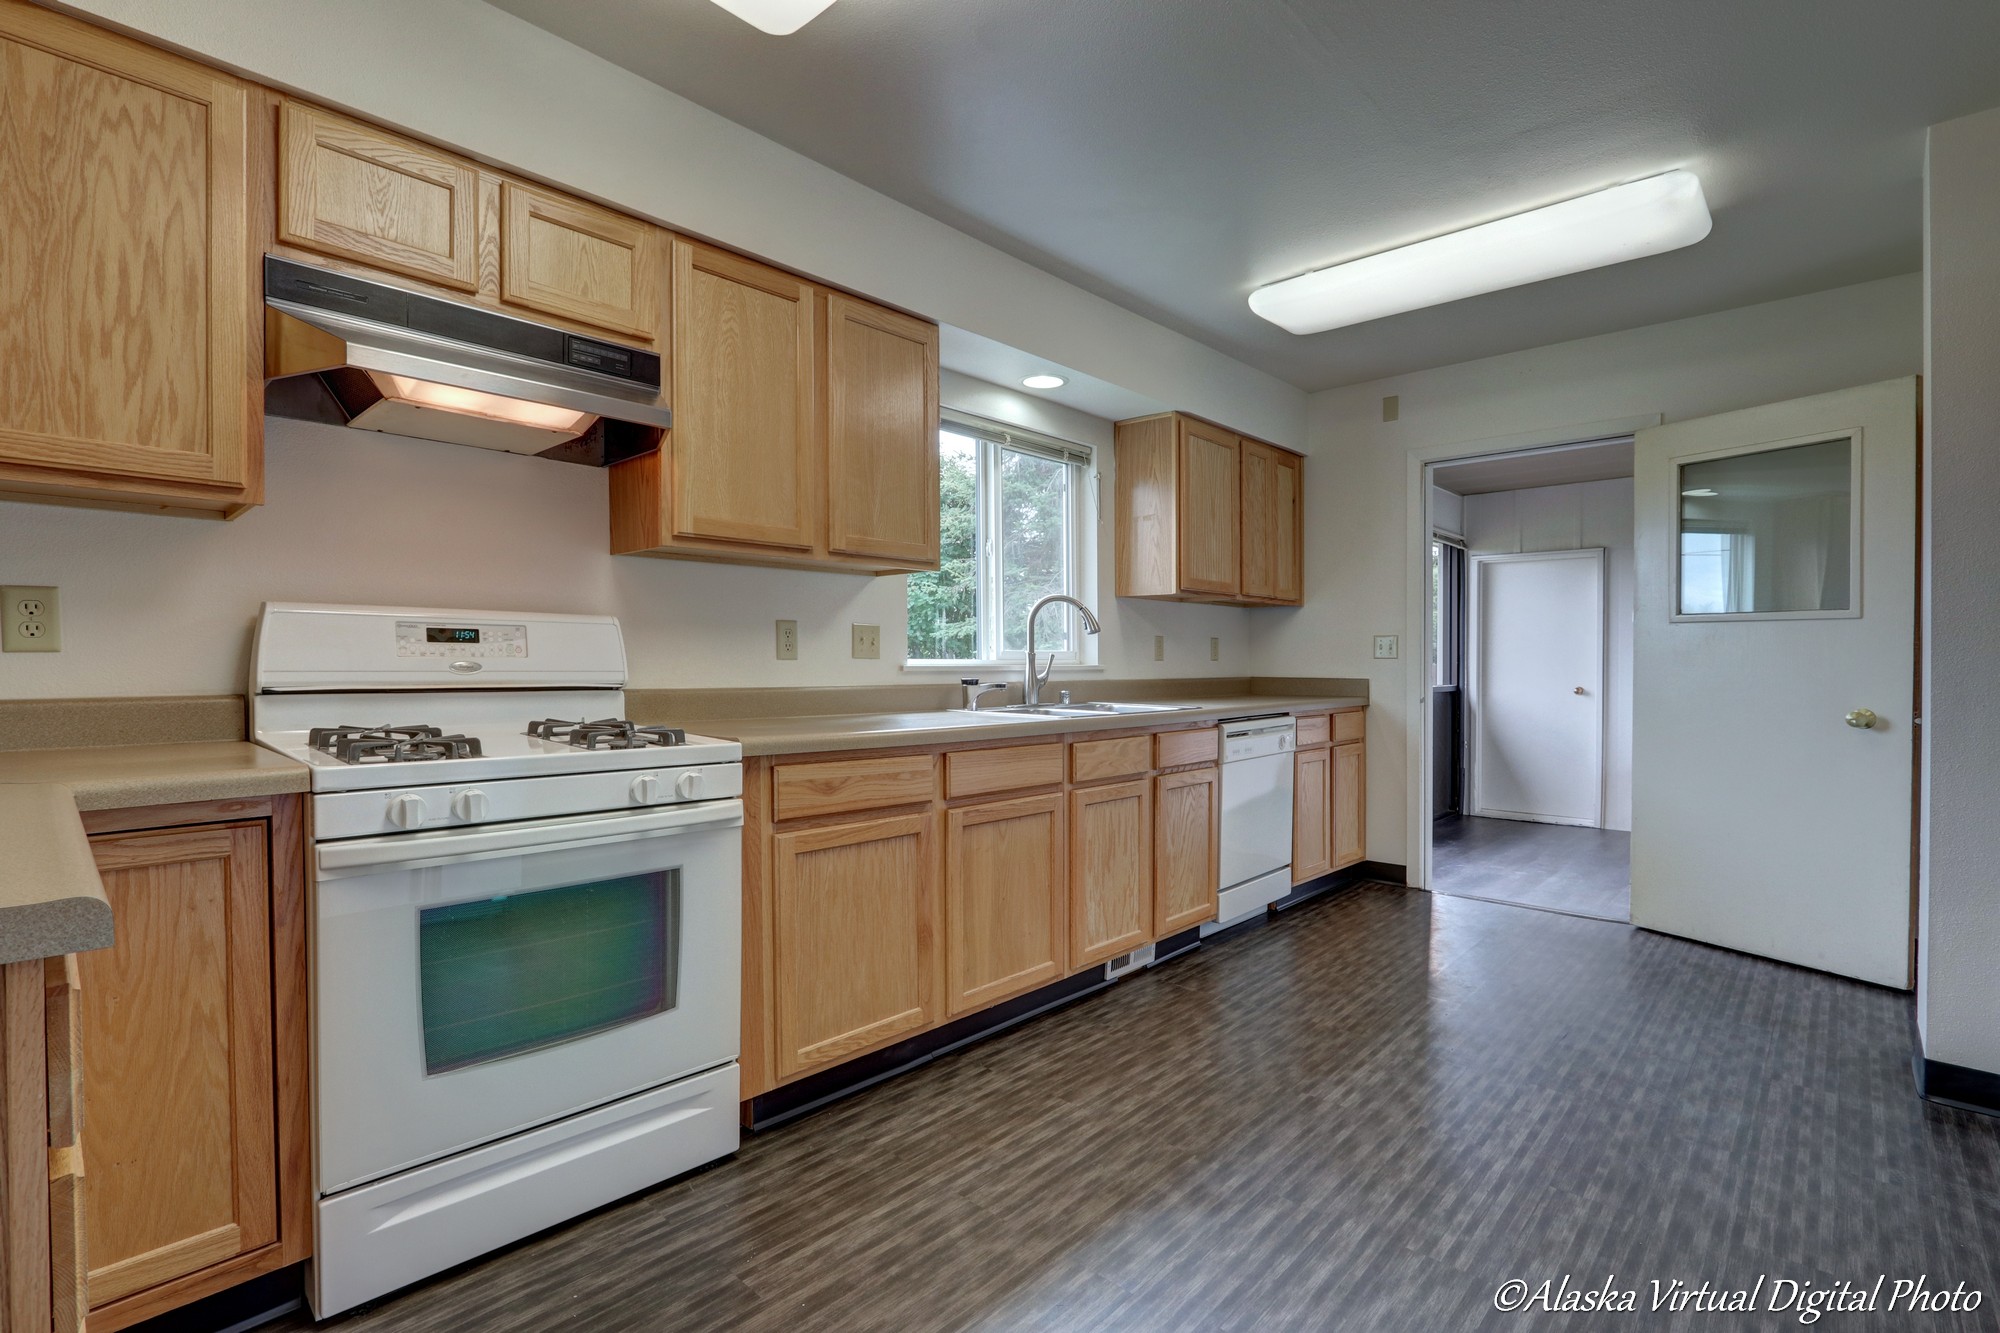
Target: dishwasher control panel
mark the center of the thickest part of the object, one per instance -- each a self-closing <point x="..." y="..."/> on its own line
<point x="1252" y="737"/>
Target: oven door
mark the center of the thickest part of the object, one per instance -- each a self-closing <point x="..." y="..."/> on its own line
<point x="470" y="984"/>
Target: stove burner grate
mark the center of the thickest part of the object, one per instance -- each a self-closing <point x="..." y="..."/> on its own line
<point x="610" y="733"/>
<point x="391" y="745"/>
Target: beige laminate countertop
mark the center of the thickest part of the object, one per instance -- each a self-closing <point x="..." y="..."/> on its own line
<point x="880" y="731"/>
<point x="51" y="901"/>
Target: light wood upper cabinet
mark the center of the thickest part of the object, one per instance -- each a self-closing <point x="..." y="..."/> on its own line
<point x="562" y="256"/>
<point x="129" y="322"/>
<point x="1187" y="849"/>
<point x="1349" y="802"/>
<point x="1273" y="565"/>
<point x="177" y="1034"/>
<point x="1312" y="813"/>
<point x="1005" y="900"/>
<point x="744" y="453"/>
<point x="1111" y="870"/>
<point x="1206" y="515"/>
<point x="881" y="432"/>
<point x="349" y="189"/>
<point x="854" y="938"/>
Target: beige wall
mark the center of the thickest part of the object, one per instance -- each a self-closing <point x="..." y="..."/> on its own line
<point x="1958" y="981"/>
<point x="164" y="605"/>
<point x="1360" y="490"/>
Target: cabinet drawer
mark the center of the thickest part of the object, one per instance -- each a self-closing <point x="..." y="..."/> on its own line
<point x="1349" y="726"/>
<point x="1094" y="761"/>
<point x="1313" y="730"/>
<point x="803" y="790"/>
<point x="977" y="772"/>
<point x="1188" y="747"/>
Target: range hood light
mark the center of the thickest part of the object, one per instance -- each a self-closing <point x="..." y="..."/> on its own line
<point x="473" y="403"/>
<point x="780" y="18"/>
<point x="1630" y="221"/>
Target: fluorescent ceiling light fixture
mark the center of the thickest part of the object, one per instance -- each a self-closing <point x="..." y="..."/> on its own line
<point x="1702" y="492"/>
<point x="1631" y="221"/>
<point x="780" y="18"/>
<point x="1043" y="382"/>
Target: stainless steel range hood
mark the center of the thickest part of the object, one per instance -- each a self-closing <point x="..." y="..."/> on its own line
<point x="376" y="357"/>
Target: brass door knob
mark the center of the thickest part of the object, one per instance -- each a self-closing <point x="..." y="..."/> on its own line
<point x="1863" y="718"/>
<point x="1579" y="689"/>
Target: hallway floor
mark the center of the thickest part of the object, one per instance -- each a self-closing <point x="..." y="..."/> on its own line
<point x="1367" y="1114"/>
<point x="1584" y="871"/>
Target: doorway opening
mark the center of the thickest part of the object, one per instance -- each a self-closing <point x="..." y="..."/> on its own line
<point x="1530" y="677"/>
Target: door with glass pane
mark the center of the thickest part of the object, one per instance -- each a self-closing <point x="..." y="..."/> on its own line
<point x="461" y="1000"/>
<point x="1774" y="680"/>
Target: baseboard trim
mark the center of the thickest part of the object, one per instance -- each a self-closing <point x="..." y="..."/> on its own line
<point x="1957" y="1085"/>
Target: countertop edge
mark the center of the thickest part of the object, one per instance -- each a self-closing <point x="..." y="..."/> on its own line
<point x="51" y="899"/>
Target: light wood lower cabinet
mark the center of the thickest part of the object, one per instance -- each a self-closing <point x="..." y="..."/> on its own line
<point x="192" y="1036"/>
<point x="1111" y="870"/>
<point x="1349" y="801"/>
<point x="1005" y="904"/>
<point x="1187" y="849"/>
<point x="1312" y="834"/>
<point x="854" y="927"/>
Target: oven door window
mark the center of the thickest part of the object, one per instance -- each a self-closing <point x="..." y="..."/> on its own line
<point x="520" y="972"/>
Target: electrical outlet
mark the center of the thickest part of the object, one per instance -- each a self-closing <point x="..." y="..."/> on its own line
<point x="30" y="620"/>
<point x="1159" y="647"/>
<point x="1385" y="645"/>
<point x="788" y="640"/>
<point x="867" y="640"/>
<point x="1214" y="649"/>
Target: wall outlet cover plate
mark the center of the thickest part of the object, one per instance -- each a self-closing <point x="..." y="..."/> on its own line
<point x="30" y="620"/>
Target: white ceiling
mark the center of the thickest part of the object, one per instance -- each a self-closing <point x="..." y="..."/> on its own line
<point x="1172" y="155"/>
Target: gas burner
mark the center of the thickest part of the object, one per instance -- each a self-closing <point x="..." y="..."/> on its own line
<point x="610" y="733"/>
<point x="390" y="745"/>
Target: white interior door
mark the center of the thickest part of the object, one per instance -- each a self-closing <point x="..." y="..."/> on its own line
<point x="1537" y="677"/>
<point x="1776" y="601"/>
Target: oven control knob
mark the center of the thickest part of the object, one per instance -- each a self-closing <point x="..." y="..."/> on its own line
<point x="407" y="811"/>
<point x="470" y="806"/>
<point x="645" y="789"/>
<point x="687" y="786"/>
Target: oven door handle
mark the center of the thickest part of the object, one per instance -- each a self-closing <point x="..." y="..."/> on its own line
<point x="337" y="859"/>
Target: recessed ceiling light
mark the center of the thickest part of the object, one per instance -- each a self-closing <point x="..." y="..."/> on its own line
<point x="1043" y="382"/>
<point x="780" y="18"/>
<point x="1644" y="217"/>
<point x="1702" y="492"/>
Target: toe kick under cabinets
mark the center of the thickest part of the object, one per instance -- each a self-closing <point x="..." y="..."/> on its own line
<point x="889" y="892"/>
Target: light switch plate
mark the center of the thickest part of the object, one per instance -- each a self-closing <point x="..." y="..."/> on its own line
<point x="788" y="640"/>
<point x="1214" y="649"/>
<point x="1385" y="645"/>
<point x="867" y="640"/>
<point x="30" y="620"/>
<point x="1159" y="647"/>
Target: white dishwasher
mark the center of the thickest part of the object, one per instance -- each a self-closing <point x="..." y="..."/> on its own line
<point x="1256" y="816"/>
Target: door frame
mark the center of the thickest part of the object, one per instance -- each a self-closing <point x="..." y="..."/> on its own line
<point x="1417" y="595"/>
<point x="1475" y="658"/>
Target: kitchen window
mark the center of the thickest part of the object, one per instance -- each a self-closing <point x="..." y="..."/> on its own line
<point x="1013" y="509"/>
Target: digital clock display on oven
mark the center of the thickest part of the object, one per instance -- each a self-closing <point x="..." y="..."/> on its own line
<point x="438" y="634"/>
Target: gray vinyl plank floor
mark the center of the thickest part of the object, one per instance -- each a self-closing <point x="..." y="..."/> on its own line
<point x="1367" y="1114"/>
<point x="1587" y="871"/>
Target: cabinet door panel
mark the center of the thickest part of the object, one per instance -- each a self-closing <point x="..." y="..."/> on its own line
<point x="1004" y="900"/>
<point x="1312" y="782"/>
<point x="1187" y="847"/>
<point x="180" y="1142"/>
<point x="126" y="307"/>
<point x="1111" y="871"/>
<point x="1349" y="804"/>
<point x="881" y="433"/>
<point x="1210" y="510"/>
<point x="351" y="190"/>
<point x="1271" y="500"/>
<point x="565" y="257"/>
<point x="854" y="914"/>
<point x="743" y="439"/>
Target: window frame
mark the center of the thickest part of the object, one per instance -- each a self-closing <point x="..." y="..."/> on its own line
<point x="1079" y="557"/>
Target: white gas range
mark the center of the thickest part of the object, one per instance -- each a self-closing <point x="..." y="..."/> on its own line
<point x="526" y="930"/>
